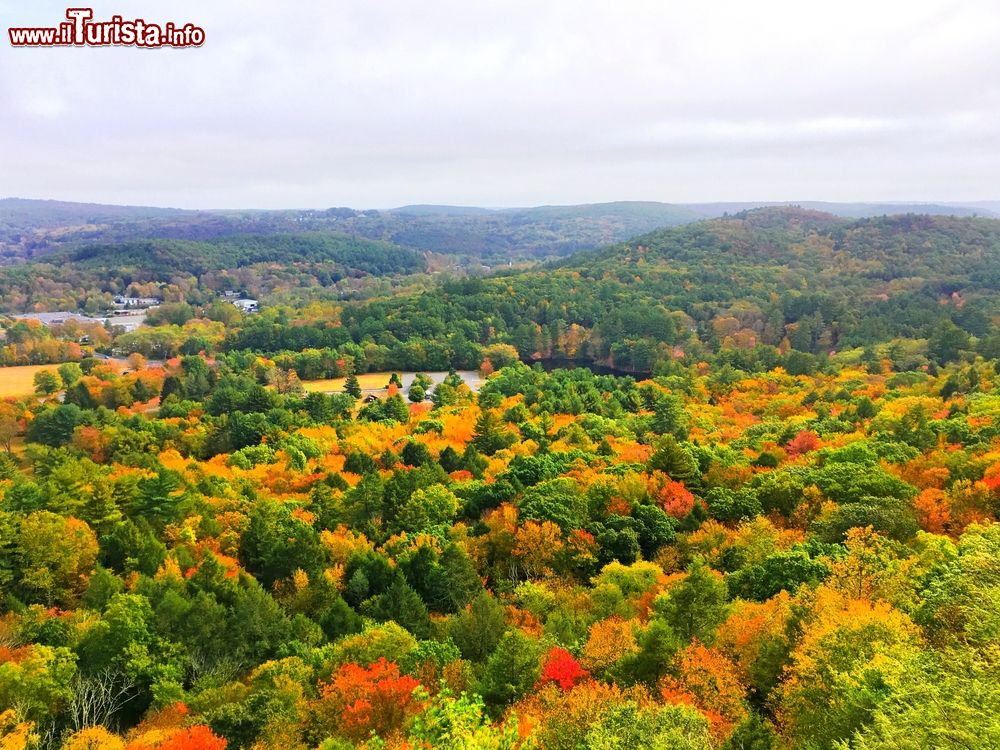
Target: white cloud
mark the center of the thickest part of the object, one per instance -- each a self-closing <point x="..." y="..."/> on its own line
<point x="510" y="102"/>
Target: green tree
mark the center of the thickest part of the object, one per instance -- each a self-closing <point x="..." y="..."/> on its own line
<point x="276" y="544"/>
<point x="670" y="417"/>
<point x="352" y="387"/>
<point x="696" y="606"/>
<point x="69" y="373"/>
<point x="415" y="453"/>
<point x="443" y="395"/>
<point x="512" y="669"/>
<point x="46" y="382"/>
<point x="948" y="700"/>
<point x="461" y="723"/>
<point x="459" y="580"/>
<point x="491" y="434"/>
<point x="784" y="571"/>
<point x="946" y="342"/>
<point x="401" y="604"/>
<point x="427" y="508"/>
<point x="961" y="602"/>
<point x="477" y="630"/>
<point x="57" y="556"/>
<point x="628" y="727"/>
<point x="671" y="458"/>
<point x="39" y="684"/>
<point x="55" y="426"/>
<point x="396" y="409"/>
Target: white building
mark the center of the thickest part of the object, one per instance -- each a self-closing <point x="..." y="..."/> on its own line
<point x="247" y="305"/>
<point x="135" y="302"/>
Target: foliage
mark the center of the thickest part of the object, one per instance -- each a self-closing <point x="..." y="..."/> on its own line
<point x="785" y="536"/>
<point x="359" y="700"/>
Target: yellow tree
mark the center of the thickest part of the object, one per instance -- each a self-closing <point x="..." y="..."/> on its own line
<point x="57" y="556"/>
<point x="607" y="642"/>
<point x="537" y="545"/>
<point x="851" y="654"/>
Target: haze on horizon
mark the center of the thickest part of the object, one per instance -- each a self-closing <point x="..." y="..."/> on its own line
<point x="511" y="103"/>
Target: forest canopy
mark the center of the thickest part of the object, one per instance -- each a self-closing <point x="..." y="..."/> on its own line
<point x="759" y="509"/>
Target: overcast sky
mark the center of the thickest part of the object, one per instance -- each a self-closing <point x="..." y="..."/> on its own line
<point x="378" y="103"/>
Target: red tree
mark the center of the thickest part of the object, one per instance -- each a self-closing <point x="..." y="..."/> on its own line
<point x="560" y="667"/>
<point x="198" y="737"/>
<point x="675" y="499"/>
<point x="359" y="699"/>
<point x="805" y="442"/>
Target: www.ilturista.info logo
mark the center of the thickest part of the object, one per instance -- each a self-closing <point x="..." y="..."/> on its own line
<point x="80" y="30"/>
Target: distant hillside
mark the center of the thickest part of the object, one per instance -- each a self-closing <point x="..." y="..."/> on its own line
<point x="172" y="256"/>
<point x="992" y="207"/>
<point x="851" y="210"/>
<point x="84" y="276"/>
<point x="433" y="210"/>
<point x="34" y="228"/>
<point x="20" y="212"/>
<point x="30" y="228"/>
<point x="479" y="235"/>
<point x="547" y="231"/>
<point x="540" y="232"/>
<point x="672" y="214"/>
<point x="805" y="281"/>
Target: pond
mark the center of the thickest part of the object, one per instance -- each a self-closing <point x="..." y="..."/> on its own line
<point x="571" y="364"/>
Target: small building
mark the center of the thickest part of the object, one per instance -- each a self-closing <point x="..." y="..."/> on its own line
<point x="58" y="318"/>
<point x="121" y="301"/>
<point x="130" y="321"/>
<point x="246" y="304"/>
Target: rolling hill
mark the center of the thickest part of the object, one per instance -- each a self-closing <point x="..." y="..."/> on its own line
<point x="493" y="236"/>
<point x="788" y="281"/>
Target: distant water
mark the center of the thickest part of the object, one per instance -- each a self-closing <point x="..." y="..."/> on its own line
<point x="572" y="364"/>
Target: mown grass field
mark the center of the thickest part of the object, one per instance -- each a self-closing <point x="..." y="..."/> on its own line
<point x="374" y="381"/>
<point x="19" y="381"/>
<point x="368" y="381"/>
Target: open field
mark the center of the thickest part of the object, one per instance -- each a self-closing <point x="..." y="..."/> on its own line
<point x="370" y="381"/>
<point x="376" y="381"/>
<point x="19" y="381"/>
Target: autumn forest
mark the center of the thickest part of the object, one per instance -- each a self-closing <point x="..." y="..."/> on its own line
<point x="728" y="484"/>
